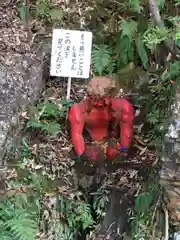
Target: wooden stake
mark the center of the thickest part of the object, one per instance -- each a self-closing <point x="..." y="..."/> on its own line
<point x="68" y="88"/>
<point x="26" y="20"/>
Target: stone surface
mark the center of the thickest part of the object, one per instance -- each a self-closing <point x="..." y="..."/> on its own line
<point x="21" y="73"/>
<point x="170" y="171"/>
<point x="21" y="82"/>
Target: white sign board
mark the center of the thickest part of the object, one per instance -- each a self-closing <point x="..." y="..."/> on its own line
<point x="71" y="53"/>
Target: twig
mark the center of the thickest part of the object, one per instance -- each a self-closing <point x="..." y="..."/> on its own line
<point x="166" y="232"/>
<point x="155" y="210"/>
<point x="80" y="14"/>
<point x="154" y="10"/>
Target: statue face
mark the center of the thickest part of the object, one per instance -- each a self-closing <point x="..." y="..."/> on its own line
<point x="99" y="103"/>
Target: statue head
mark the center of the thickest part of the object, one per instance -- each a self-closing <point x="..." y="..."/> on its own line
<point x="100" y="90"/>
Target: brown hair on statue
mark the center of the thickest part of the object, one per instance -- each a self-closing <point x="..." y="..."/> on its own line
<point x="101" y="86"/>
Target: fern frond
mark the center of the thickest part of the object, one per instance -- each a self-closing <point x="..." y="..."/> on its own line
<point x="5" y="235"/>
<point x="6" y="210"/>
<point x="154" y="36"/>
<point x="41" y="183"/>
<point x="100" y="58"/>
<point x="51" y="128"/>
<point x="33" y="123"/>
<point x="22" y="226"/>
<point x="16" y="223"/>
<point x="48" y="109"/>
<point x="83" y="215"/>
<point x="112" y="66"/>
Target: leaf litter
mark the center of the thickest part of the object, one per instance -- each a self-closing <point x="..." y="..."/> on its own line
<point x="51" y="157"/>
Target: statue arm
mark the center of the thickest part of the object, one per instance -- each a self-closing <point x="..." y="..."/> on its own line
<point x="76" y="119"/>
<point x="124" y="114"/>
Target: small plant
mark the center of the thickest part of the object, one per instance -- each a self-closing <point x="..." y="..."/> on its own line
<point x="131" y="39"/>
<point x="76" y="213"/>
<point x="154" y="36"/>
<point x="107" y="60"/>
<point x="160" y="100"/>
<point x="25" y="149"/>
<point x="142" y="219"/>
<point x="99" y="205"/>
<point x="101" y="59"/>
<point x="16" y="222"/>
<point x="45" y="11"/>
<point x="135" y="5"/>
<point x="46" y="116"/>
<point x="42" y="10"/>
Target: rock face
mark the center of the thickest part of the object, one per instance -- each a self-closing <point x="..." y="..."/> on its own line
<point x="20" y="84"/>
<point x="170" y="172"/>
<point x="21" y="75"/>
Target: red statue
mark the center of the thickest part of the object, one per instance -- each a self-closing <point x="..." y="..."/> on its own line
<point x="100" y="114"/>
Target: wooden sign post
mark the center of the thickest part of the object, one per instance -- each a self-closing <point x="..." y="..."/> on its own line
<point x="71" y="55"/>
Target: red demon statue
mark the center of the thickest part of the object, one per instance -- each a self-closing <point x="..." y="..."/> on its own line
<point x="100" y="114"/>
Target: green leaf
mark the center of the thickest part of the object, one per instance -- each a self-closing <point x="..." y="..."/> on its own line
<point x="143" y="202"/>
<point x="42" y="8"/>
<point x="135" y="5"/>
<point x="17" y="222"/>
<point x="160" y="4"/>
<point x="142" y="23"/>
<point x="56" y="13"/>
<point x="22" y="13"/>
<point x="51" y="128"/>
<point x="20" y="200"/>
<point x="83" y="215"/>
<point x="34" y="124"/>
<point x="66" y="102"/>
<point x="173" y="72"/>
<point x="128" y="28"/>
<point x="141" y="50"/>
<point x="125" y="49"/>
<point x="111" y="66"/>
<point x="22" y="227"/>
<point x="49" y="109"/>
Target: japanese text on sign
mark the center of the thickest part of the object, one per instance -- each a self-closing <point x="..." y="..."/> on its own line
<point x="71" y="53"/>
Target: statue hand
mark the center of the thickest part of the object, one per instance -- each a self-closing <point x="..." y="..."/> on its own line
<point x="91" y="153"/>
<point x="115" y="151"/>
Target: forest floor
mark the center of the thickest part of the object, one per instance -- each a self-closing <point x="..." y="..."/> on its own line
<point x="44" y="165"/>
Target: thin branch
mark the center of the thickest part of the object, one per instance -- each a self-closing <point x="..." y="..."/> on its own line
<point x="154" y="10"/>
<point x="155" y="13"/>
<point x="166" y="233"/>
